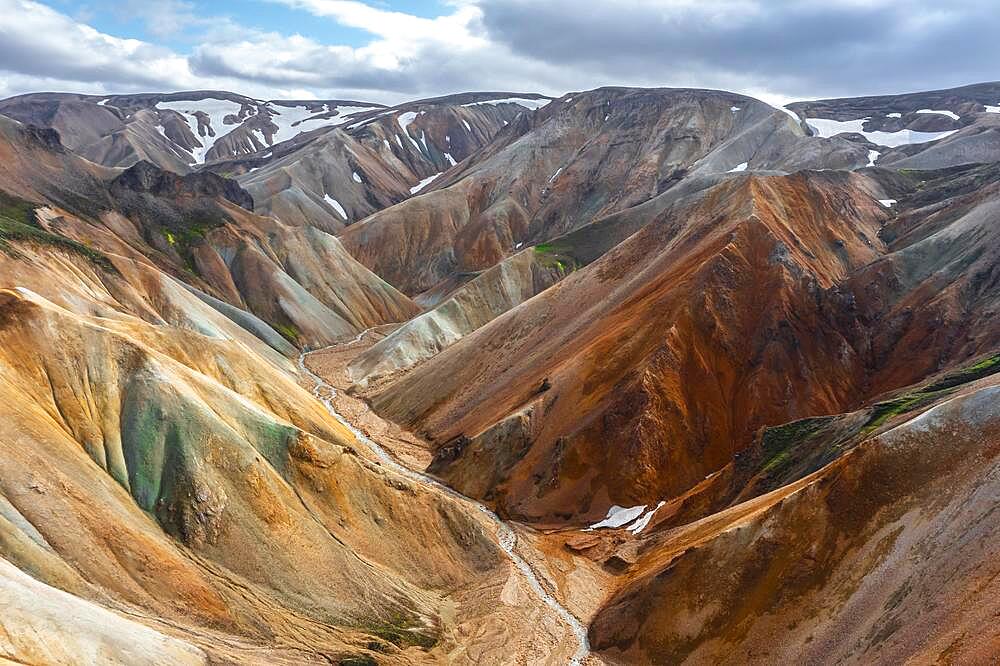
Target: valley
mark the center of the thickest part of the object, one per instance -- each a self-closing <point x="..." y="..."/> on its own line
<point x="624" y="376"/>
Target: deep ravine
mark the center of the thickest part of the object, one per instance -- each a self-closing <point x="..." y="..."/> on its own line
<point x="506" y="538"/>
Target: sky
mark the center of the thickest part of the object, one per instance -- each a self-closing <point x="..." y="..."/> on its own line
<point x="389" y="51"/>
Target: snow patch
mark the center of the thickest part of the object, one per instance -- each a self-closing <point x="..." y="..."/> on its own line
<point x="872" y="156"/>
<point x="894" y="115"/>
<point x="618" y="516"/>
<point x="356" y="177"/>
<point x="163" y="132"/>
<point x="553" y="177"/>
<point x="993" y="109"/>
<point x="640" y="524"/>
<point x="734" y="109"/>
<point x="794" y="116"/>
<point x="388" y="146"/>
<point x="825" y="127"/>
<point x="466" y="123"/>
<point x="404" y="120"/>
<point x="451" y="160"/>
<point x="950" y="114"/>
<point x="739" y="167"/>
<point x="888" y="203"/>
<point x="293" y="120"/>
<point x="215" y="109"/>
<point x="336" y="205"/>
<point x="422" y="184"/>
<point x="532" y="104"/>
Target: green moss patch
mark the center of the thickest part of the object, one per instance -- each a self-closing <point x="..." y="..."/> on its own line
<point x="289" y="332"/>
<point x="553" y="256"/>
<point x="18" y="224"/>
<point x="187" y="233"/>
<point x="910" y="401"/>
<point x="398" y="632"/>
<point x="779" y="443"/>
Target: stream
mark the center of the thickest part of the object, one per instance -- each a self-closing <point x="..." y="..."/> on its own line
<point x="506" y="537"/>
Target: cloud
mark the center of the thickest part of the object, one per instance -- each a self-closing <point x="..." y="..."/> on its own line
<point x="47" y="45"/>
<point x="774" y="49"/>
<point x="164" y="18"/>
<point x="799" y="47"/>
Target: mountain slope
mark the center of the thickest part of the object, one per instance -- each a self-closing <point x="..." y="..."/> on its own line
<point x="177" y="131"/>
<point x="643" y="347"/>
<point x="734" y="368"/>
<point x="886" y="555"/>
<point x="332" y="178"/>
<point x="582" y="157"/>
<point x="197" y="229"/>
<point x="927" y="130"/>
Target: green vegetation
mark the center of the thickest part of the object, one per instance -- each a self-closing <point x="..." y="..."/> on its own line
<point x="779" y="442"/>
<point x="183" y="236"/>
<point x="907" y="402"/>
<point x="883" y="411"/>
<point x="289" y="332"/>
<point x="19" y="224"/>
<point x="359" y="660"/>
<point x="551" y="256"/>
<point x="984" y="368"/>
<point x="17" y="210"/>
<point x="398" y="633"/>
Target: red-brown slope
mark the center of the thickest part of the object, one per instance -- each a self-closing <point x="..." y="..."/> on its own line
<point x="888" y="555"/>
<point x="632" y="379"/>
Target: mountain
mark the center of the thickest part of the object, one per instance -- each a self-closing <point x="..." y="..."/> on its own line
<point x="154" y="435"/>
<point x="197" y="229"/>
<point x="582" y="157"/>
<point x="927" y="130"/>
<point x="629" y="376"/>
<point x="179" y="131"/>
<point x="323" y="163"/>
<point x="335" y="177"/>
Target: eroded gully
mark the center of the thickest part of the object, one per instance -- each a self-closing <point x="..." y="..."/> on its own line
<point x="506" y="538"/>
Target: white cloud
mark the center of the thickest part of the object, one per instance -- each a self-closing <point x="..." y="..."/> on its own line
<point x="777" y="50"/>
<point x="398" y="27"/>
<point x="43" y="43"/>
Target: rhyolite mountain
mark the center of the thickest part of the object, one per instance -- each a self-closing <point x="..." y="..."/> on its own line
<point x="322" y="163"/>
<point x="727" y="374"/>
